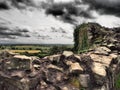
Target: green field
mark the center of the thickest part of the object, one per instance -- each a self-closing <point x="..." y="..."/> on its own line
<point x="36" y="50"/>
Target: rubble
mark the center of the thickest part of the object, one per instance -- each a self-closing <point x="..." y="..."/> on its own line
<point x="99" y="69"/>
<point x="67" y="71"/>
<point x="67" y="53"/>
<point x="74" y="67"/>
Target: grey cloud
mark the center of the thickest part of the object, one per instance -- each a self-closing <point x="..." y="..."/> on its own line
<point x="20" y="4"/>
<point x="60" y="30"/>
<point x="23" y="30"/>
<point x="105" y="6"/>
<point x="13" y="33"/>
<point x="3" y="5"/>
<point x="67" y="10"/>
<point x="44" y="37"/>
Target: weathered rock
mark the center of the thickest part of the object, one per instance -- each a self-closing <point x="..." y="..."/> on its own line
<point x="54" y="67"/>
<point x="105" y="60"/>
<point x="53" y="57"/>
<point x="33" y="74"/>
<point x="102" y="50"/>
<point x="84" y="80"/>
<point x="69" y="87"/>
<point x="67" y="53"/>
<point x="99" y="69"/>
<point x="53" y="76"/>
<point x="7" y="54"/>
<point x="21" y="62"/>
<point x="36" y="66"/>
<point x="74" y="67"/>
<point x="19" y="74"/>
<point x="65" y="88"/>
<point x="114" y="56"/>
<point x="77" y="56"/>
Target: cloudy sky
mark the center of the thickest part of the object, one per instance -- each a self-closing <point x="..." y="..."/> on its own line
<point x="52" y="21"/>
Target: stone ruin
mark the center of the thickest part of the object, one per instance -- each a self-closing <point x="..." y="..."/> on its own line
<point x="93" y="70"/>
<point x="96" y="69"/>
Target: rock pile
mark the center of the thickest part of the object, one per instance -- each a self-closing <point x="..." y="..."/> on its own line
<point x="93" y="70"/>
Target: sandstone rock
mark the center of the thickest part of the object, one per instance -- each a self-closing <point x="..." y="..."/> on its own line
<point x="67" y="53"/>
<point x="77" y="56"/>
<point x="69" y="87"/>
<point x="54" y="67"/>
<point x="114" y="56"/>
<point x="53" y="57"/>
<point x="36" y="66"/>
<point x="21" y="62"/>
<point x="19" y="74"/>
<point x="98" y="69"/>
<point x="84" y="80"/>
<point x="53" y="76"/>
<point x="105" y="60"/>
<point x="32" y="74"/>
<point x="6" y="55"/>
<point x="102" y="50"/>
<point x="43" y="84"/>
<point x="74" y="67"/>
<point x="22" y="57"/>
<point x="65" y="88"/>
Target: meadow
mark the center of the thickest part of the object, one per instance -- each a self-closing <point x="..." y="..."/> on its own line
<point x="36" y="50"/>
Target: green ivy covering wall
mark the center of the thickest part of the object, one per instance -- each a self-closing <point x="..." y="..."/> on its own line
<point x="81" y="42"/>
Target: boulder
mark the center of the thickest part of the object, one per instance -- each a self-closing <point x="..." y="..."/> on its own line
<point x="102" y="50"/>
<point x="53" y="76"/>
<point x="84" y="80"/>
<point x="114" y="56"/>
<point x="53" y="57"/>
<point x="54" y="67"/>
<point x="18" y="62"/>
<point x="67" y="53"/>
<point x="19" y="74"/>
<point x="74" y="67"/>
<point x="7" y="54"/>
<point x="99" y="69"/>
<point x="36" y="66"/>
<point x="77" y="56"/>
<point x="105" y="60"/>
<point x="22" y="57"/>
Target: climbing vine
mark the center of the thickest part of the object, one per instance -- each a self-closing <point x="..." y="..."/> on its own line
<point x="81" y="42"/>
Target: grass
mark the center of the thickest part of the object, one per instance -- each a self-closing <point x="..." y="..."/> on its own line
<point x="34" y="50"/>
<point x="117" y="83"/>
<point x="75" y="82"/>
<point x="22" y="51"/>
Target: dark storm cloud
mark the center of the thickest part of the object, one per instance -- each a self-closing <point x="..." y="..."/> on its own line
<point x="23" y="30"/>
<point x="12" y="34"/>
<point x="67" y="10"/>
<point x="105" y="6"/>
<point x="4" y="5"/>
<point x="20" y="4"/>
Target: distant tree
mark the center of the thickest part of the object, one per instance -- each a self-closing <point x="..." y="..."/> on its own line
<point x="59" y="49"/>
<point x="30" y="48"/>
<point x="12" y="47"/>
<point x="54" y="50"/>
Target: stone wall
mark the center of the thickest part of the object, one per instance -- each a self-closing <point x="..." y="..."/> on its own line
<point x="94" y="70"/>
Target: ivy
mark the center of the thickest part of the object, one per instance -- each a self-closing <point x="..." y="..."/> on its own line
<point x="81" y="42"/>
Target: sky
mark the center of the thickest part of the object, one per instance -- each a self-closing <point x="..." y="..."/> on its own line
<point x="52" y="21"/>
